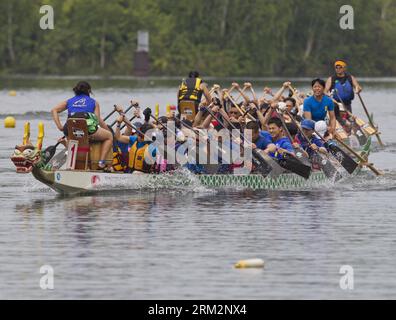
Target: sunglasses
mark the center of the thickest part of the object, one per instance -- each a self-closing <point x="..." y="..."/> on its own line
<point x="339" y="67"/>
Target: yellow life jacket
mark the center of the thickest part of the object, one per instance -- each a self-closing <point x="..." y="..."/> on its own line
<point x="117" y="163"/>
<point x="136" y="158"/>
<point x="190" y="89"/>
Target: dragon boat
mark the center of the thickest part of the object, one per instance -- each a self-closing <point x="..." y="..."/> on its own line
<point x="54" y="173"/>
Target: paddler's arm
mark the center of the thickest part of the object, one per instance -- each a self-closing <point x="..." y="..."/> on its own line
<point x="279" y="94"/>
<point x="356" y="85"/>
<point x="268" y="116"/>
<point x="224" y="115"/>
<point x="209" y="119"/>
<point x="260" y="116"/>
<point x="117" y="134"/>
<point x="55" y="114"/>
<point x="97" y="113"/>
<point x="198" y="116"/>
<point x="328" y="86"/>
<point x="206" y="93"/>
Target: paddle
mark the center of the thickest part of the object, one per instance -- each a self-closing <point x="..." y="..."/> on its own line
<point x="362" y="160"/>
<point x="370" y="120"/>
<point x="241" y="92"/>
<point x="131" y="119"/>
<point x="342" y="157"/>
<point x="362" y="136"/>
<point x="259" y="161"/>
<point x="253" y="93"/>
<point x="49" y="152"/>
<point x="325" y="164"/>
<point x="241" y="111"/>
<point x="298" y="164"/>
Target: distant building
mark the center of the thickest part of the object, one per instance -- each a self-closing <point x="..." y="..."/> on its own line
<point x="142" y="63"/>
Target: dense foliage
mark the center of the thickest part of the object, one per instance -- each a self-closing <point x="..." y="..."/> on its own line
<point x="217" y="37"/>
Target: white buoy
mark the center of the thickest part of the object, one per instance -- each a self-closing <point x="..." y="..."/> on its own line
<point x="250" y="263"/>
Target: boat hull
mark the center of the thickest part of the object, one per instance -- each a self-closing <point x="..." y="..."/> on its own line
<point x="69" y="182"/>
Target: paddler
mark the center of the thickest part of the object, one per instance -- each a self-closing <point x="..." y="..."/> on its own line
<point x="190" y="94"/>
<point x="279" y="139"/>
<point x="139" y="149"/>
<point x="83" y="106"/>
<point x="344" y="85"/>
<point x="319" y="106"/>
<point x="308" y="126"/>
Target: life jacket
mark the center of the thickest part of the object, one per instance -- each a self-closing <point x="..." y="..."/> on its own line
<point x="137" y="158"/>
<point x="80" y="103"/>
<point x="344" y="89"/>
<point x="190" y="90"/>
<point x="118" y="163"/>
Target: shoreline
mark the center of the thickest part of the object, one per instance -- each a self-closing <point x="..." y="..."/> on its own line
<point x="174" y="78"/>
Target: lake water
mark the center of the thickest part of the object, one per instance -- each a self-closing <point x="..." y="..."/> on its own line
<point x="183" y="243"/>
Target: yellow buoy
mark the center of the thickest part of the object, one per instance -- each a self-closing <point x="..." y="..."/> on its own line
<point x="250" y="263"/>
<point x="9" y="122"/>
<point x="12" y="93"/>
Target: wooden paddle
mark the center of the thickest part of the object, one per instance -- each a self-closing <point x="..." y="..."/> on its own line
<point x="241" y="111"/>
<point x="341" y="156"/>
<point x="370" y="120"/>
<point x="362" y="160"/>
<point x="340" y="130"/>
<point x="253" y="93"/>
<point x="241" y="92"/>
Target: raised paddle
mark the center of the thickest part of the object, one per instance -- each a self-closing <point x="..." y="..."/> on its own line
<point x="131" y="119"/>
<point x="341" y="156"/>
<point x="253" y="93"/>
<point x="241" y="92"/>
<point x="241" y="111"/>
<point x="370" y="120"/>
<point x="362" y="160"/>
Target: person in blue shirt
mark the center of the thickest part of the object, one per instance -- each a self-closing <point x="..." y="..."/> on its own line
<point x="259" y="140"/>
<point x="344" y="85"/>
<point x="266" y="135"/>
<point x="308" y="126"/>
<point x="319" y="105"/>
<point x="282" y="143"/>
<point x="83" y="106"/>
